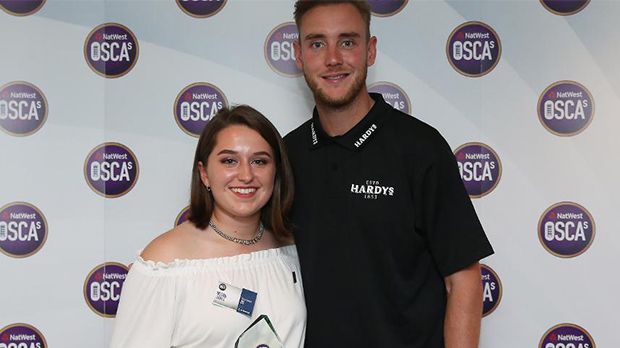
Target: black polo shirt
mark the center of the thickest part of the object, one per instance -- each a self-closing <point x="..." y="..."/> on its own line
<point x="381" y="216"/>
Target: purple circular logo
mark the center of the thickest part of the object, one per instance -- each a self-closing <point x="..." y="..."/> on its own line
<point x="102" y="288"/>
<point x="182" y="217"/>
<point x="567" y="336"/>
<point x="480" y="168"/>
<point x="196" y="105"/>
<point x="492" y="289"/>
<point x="23" y="108"/>
<point x="565" y="108"/>
<point x="564" y="7"/>
<point x="473" y="49"/>
<point x="566" y="229"/>
<point x="279" y="50"/>
<point x="201" y="8"/>
<point x="21" y="335"/>
<point x="22" y="7"/>
<point x="385" y="8"/>
<point x="393" y="95"/>
<point x="111" y="170"/>
<point x="111" y="50"/>
<point x="23" y="229"/>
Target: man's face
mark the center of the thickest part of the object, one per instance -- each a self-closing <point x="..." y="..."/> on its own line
<point x="334" y="54"/>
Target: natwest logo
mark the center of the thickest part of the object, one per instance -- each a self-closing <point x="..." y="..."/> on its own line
<point x="491" y="289"/>
<point x="23" y="229"/>
<point x="393" y="95"/>
<point x="473" y="49"/>
<point x="196" y="105"/>
<point x="111" y="169"/>
<point x="385" y="8"/>
<point x="566" y="229"/>
<point x="23" y="108"/>
<point x="111" y="50"/>
<point x="103" y="286"/>
<point x="565" y="108"/>
<point x="201" y="8"/>
<point x="564" y="7"/>
<point x="279" y="50"/>
<point x="21" y="8"/>
<point x="567" y="336"/>
<point x="21" y="335"/>
<point x="480" y="168"/>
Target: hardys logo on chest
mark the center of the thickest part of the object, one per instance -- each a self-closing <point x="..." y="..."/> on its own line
<point x="372" y="189"/>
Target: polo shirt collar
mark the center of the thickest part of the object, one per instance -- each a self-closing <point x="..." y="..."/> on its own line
<point x="356" y="137"/>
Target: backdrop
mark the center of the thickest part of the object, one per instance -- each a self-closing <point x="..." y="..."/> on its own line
<point x="101" y="101"/>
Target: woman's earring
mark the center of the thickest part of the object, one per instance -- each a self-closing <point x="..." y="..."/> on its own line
<point x="209" y="188"/>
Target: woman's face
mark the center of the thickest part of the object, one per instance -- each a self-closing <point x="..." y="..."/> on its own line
<point x="240" y="172"/>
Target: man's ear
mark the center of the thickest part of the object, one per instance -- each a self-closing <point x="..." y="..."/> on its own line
<point x="298" y="60"/>
<point x="372" y="51"/>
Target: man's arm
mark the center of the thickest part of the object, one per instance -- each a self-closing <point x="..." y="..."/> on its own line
<point x="464" y="310"/>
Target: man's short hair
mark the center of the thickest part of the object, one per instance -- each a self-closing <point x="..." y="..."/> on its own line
<point x="303" y="6"/>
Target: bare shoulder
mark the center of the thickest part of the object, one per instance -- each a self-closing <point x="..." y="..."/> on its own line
<point x="168" y="246"/>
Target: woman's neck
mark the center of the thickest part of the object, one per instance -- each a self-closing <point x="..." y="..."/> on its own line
<point x="244" y="228"/>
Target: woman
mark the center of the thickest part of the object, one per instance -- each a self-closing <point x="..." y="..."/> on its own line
<point x="236" y="240"/>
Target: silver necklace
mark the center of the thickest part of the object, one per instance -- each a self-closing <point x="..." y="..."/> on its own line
<point x="257" y="237"/>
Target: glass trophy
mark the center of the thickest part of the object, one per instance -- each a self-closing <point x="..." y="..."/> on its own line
<point x="260" y="334"/>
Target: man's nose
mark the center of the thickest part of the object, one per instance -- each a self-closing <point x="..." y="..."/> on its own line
<point x="333" y="56"/>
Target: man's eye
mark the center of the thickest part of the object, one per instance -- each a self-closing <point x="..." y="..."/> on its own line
<point x="348" y="43"/>
<point x="316" y="44"/>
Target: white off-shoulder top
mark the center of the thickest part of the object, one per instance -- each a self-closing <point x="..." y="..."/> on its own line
<point x="166" y="305"/>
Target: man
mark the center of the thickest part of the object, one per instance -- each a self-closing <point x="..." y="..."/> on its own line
<point x="388" y="239"/>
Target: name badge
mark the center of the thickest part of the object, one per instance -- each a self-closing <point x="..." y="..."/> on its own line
<point x="240" y="300"/>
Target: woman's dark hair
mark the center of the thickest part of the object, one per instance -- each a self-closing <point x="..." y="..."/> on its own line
<point x="274" y="214"/>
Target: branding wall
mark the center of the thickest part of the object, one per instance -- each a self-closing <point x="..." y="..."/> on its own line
<point x="101" y="104"/>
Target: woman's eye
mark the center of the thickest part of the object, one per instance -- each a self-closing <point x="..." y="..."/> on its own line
<point x="261" y="161"/>
<point x="228" y="161"/>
